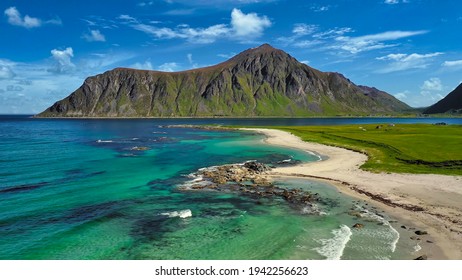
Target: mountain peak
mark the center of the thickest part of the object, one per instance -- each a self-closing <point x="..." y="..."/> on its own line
<point x="262" y="81"/>
<point x="451" y="103"/>
<point x="265" y="50"/>
<point x="265" y="46"/>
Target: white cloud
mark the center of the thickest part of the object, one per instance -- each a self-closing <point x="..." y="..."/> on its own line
<point x="224" y="55"/>
<point x="55" y="21"/>
<point x="320" y="8"/>
<point x="128" y="18"/>
<point x="190" y="59"/>
<point x="333" y="33"/>
<point x="15" y="18"/>
<point x="402" y="95"/>
<point x="169" y="67"/>
<point x="242" y="27"/>
<point x="373" y="41"/>
<point x="204" y="35"/>
<point x="452" y="63"/>
<point x="6" y="72"/>
<point x="63" y="61"/>
<point x="401" y="62"/>
<point x="393" y="2"/>
<point x="432" y="84"/>
<point x="431" y="91"/>
<point x="307" y="43"/>
<point x="147" y="65"/>
<point x="195" y="35"/>
<point x="246" y="25"/>
<point x="94" y="36"/>
<point x="336" y="39"/>
<point x="301" y="29"/>
<point x="144" y="4"/>
<point x="180" y="12"/>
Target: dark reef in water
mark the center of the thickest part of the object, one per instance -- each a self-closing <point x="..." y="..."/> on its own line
<point x="248" y="179"/>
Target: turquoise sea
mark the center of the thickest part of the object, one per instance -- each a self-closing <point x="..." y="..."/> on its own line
<point x="109" y="189"/>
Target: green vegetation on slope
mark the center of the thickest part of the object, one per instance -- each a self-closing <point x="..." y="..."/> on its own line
<point x="401" y="148"/>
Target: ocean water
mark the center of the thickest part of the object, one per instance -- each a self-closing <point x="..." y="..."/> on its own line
<point x="110" y="189"/>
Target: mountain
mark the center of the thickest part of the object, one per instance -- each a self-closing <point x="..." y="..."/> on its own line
<point x="450" y="104"/>
<point x="262" y="81"/>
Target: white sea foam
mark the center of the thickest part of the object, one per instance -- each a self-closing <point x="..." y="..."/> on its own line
<point x="315" y="154"/>
<point x="104" y="141"/>
<point x="196" y="180"/>
<point x="333" y="248"/>
<point x="182" y="214"/>
<point x="368" y="214"/>
<point x="313" y="209"/>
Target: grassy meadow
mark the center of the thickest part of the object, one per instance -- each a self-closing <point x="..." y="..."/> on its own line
<point x="401" y="148"/>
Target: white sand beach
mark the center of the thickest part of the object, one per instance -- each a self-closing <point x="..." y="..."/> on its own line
<point x="429" y="202"/>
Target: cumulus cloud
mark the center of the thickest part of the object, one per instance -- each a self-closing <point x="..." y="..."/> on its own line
<point x="432" y="84"/>
<point x="401" y="61"/>
<point x="242" y="27"/>
<point x="63" y="61"/>
<point x="431" y="90"/>
<point x="245" y="25"/>
<point x="402" y="95"/>
<point x="15" y="18"/>
<point x="6" y="72"/>
<point x="169" y="67"/>
<point x="94" y="36"/>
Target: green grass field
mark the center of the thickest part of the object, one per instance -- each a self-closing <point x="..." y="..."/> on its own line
<point x="403" y="148"/>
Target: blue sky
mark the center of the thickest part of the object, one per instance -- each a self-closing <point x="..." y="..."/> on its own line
<point x="409" y="48"/>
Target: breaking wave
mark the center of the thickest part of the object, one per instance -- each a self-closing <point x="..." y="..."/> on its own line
<point x="181" y="214"/>
<point x="333" y="248"/>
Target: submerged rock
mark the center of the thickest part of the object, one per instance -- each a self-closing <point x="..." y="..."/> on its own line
<point x="248" y="179"/>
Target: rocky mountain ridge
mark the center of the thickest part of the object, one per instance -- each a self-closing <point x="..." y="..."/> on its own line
<point x="262" y="81"/>
<point x="452" y="103"/>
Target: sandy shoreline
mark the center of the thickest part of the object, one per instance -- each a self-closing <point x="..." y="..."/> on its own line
<point x="430" y="202"/>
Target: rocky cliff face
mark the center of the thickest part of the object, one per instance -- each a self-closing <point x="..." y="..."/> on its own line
<point x="452" y="103"/>
<point x="263" y="81"/>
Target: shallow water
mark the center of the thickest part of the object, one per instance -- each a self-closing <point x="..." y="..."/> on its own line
<point x="99" y="189"/>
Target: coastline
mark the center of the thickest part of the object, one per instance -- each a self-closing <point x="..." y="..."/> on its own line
<point x="426" y="201"/>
